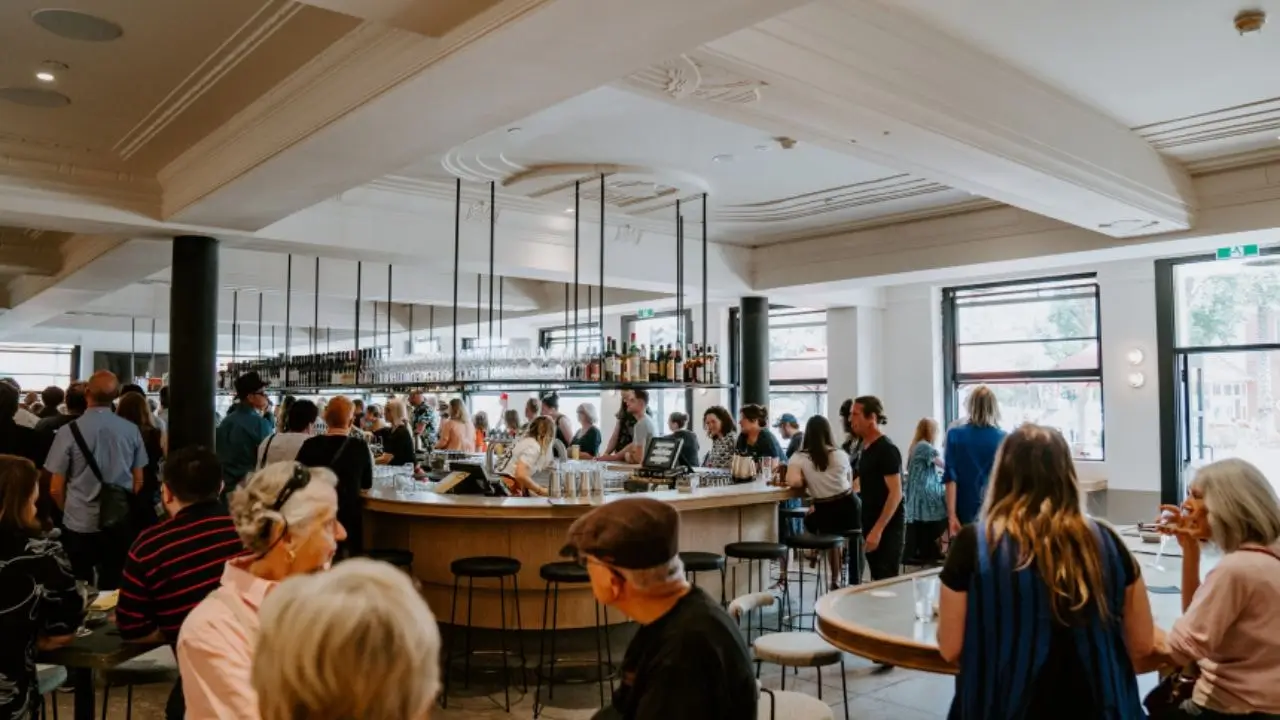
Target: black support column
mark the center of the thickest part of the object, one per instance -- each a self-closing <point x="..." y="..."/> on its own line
<point x="193" y="341"/>
<point x="755" y="350"/>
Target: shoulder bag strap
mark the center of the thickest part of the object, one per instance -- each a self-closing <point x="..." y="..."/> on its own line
<point x="84" y="450"/>
<point x="265" y="451"/>
<point x="342" y="449"/>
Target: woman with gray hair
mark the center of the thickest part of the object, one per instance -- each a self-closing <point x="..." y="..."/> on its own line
<point x="1229" y="626"/>
<point x="588" y="437"/>
<point x="287" y="518"/>
<point x="312" y="628"/>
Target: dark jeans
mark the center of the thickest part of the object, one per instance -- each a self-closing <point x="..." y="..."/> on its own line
<point x="886" y="560"/>
<point x="922" y="541"/>
<point x="98" y="558"/>
<point x="1191" y="710"/>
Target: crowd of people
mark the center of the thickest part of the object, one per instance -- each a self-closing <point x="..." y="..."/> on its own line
<point x="245" y="559"/>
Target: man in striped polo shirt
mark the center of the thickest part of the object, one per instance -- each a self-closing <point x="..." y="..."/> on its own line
<point x="173" y="565"/>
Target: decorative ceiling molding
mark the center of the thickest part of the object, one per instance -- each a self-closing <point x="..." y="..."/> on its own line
<point x="886" y="221"/>
<point x="799" y="207"/>
<point x="28" y="176"/>
<point x="20" y="143"/>
<point x="687" y="77"/>
<point x="1234" y="161"/>
<point x="632" y="189"/>
<point x="1262" y="117"/>
<point x="257" y="29"/>
<point x="475" y="168"/>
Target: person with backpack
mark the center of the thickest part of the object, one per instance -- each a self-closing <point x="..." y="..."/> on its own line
<point x="97" y="464"/>
<point x="351" y="460"/>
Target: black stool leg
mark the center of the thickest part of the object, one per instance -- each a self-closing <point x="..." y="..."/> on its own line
<point x="453" y="636"/>
<point x="608" y="648"/>
<point x="551" y="672"/>
<point x="844" y="688"/>
<point x="106" y="695"/>
<point x="750" y="584"/>
<point x="466" y="660"/>
<point x="502" y="614"/>
<point x="542" y="646"/>
<point x="524" y="684"/>
<point x="724" y="598"/>
<point x="791" y="622"/>
<point x="128" y="702"/>
<point x="599" y="659"/>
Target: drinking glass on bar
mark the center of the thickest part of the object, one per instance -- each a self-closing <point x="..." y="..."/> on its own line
<point x="925" y="592"/>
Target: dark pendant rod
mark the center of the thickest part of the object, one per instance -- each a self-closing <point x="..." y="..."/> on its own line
<point x="151" y="370"/>
<point x="602" y="347"/>
<point x="411" y="343"/>
<point x="133" y="331"/>
<point x="259" y="324"/>
<point x="328" y="339"/>
<point x="288" y="307"/>
<point x="705" y="220"/>
<point x="389" y="309"/>
<point x="566" y="311"/>
<point x="359" y="292"/>
<point x="679" y="235"/>
<point x="502" y="286"/>
<point x="479" y="281"/>
<point x="315" y="313"/>
<point x="431" y="320"/>
<point x="235" y="308"/>
<point x="493" y="235"/>
<point x="457" y="257"/>
<point x="577" y="251"/>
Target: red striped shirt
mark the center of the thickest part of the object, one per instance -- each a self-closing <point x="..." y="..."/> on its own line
<point x="172" y="567"/>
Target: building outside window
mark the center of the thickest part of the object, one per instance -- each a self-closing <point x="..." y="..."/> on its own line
<point x="797" y="363"/>
<point x="1036" y="343"/>
<point x="36" y="367"/>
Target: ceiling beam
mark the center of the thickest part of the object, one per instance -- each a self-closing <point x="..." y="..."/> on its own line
<point x="432" y="18"/>
<point x="870" y="80"/>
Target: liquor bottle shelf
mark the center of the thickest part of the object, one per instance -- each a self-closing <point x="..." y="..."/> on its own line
<point x="497" y="385"/>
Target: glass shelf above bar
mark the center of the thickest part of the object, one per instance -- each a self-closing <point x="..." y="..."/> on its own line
<point x="499" y="385"/>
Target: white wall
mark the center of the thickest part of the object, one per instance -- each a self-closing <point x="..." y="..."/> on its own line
<point x="911" y="363"/>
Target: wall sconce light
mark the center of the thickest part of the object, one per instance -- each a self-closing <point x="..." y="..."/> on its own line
<point x="1137" y="379"/>
<point x="1135" y="357"/>
<point x="702" y="391"/>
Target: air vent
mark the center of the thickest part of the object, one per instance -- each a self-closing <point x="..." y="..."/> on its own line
<point x="74" y="25"/>
<point x="34" y="97"/>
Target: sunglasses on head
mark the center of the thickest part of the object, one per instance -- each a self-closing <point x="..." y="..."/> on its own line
<point x="300" y="478"/>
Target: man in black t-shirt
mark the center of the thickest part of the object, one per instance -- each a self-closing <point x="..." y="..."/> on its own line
<point x="688" y="660"/>
<point x="879" y="479"/>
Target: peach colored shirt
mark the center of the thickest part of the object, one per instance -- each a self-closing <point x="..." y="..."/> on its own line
<point x="215" y="647"/>
<point x="1232" y="631"/>
<point x="457" y="435"/>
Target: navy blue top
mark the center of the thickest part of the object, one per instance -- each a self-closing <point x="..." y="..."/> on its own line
<point x="970" y="454"/>
<point x="766" y="445"/>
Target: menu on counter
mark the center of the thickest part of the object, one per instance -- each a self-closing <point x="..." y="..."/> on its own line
<point x="662" y="453"/>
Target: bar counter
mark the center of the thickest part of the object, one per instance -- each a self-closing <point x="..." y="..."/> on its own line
<point x="439" y="529"/>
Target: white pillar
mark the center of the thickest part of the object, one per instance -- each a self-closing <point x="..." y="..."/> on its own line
<point x="855" y="349"/>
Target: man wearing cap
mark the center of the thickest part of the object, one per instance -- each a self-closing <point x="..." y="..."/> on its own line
<point x="243" y="430"/>
<point x="789" y="428"/>
<point x="688" y="659"/>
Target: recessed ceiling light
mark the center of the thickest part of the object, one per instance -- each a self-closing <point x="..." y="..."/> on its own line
<point x="569" y="210"/>
<point x="75" y="25"/>
<point x="722" y="159"/>
<point x="45" y="76"/>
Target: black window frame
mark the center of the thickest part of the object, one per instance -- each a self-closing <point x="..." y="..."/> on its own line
<point x="587" y="334"/>
<point x="953" y="379"/>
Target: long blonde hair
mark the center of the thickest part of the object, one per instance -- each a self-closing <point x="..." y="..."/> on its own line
<point x="983" y="408"/>
<point x="543" y="430"/>
<point x="1034" y="500"/>
<point x="926" y="430"/>
<point x="1241" y="503"/>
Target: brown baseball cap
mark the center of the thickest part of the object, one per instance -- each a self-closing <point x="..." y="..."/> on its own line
<point x="633" y="534"/>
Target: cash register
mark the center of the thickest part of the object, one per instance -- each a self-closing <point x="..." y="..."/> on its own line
<point x="466" y="478"/>
<point x="660" y="468"/>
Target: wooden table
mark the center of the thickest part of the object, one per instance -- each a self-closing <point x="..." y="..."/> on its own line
<point x="101" y="649"/>
<point x="877" y="621"/>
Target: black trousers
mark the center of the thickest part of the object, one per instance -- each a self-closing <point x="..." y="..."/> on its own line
<point x="922" y="541"/>
<point x="98" y="557"/>
<point x="886" y="560"/>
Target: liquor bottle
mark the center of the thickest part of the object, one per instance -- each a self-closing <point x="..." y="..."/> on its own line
<point x="609" y="375"/>
<point x="642" y="373"/>
<point x="679" y="371"/>
<point x="633" y="361"/>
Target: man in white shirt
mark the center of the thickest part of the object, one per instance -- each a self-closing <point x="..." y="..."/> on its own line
<point x="23" y="417"/>
<point x="300" y="424"/>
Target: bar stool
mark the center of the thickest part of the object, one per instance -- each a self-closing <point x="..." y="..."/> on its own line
<point x="484" y="567"/>
<point x="557" y="574"/>
<point x="48" y="679"/>
<point x="823" y="544"/>
<point x="155" y="667"/>
<point x="402" y="559"/>
<point x="696" y="561"/>
<point x="853" y="555"/>
<point x="758" y="553"/>
<point x="787" y="705"/>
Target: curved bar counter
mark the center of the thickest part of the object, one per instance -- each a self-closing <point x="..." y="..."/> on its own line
<point x="439" y="529"/>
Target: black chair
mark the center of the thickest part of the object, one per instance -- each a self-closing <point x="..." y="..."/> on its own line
<point x="758" y="553"/>
<point x="156" y="667"/>
<point x="557" y="574"/>
<point x="696" y="561"/>
<point x="402" y="559"/>
<point x="48" y="679"/>
<point x="853" y="555"/>
<point x="823" y="544"/>
<point x="471" y="568"/>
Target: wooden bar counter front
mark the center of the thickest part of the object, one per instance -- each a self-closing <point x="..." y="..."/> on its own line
<point x="439" y="529"/>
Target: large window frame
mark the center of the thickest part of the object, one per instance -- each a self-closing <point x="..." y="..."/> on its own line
<point x="48" y="357"/>
<point x="586" y="335"/>
<point x="1019" y="292"/>
<point x="812" y="389"/>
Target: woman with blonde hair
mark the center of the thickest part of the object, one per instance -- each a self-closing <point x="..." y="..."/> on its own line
<point x="1043" y="607"/>
<point x="530" y="455"/>
<point x="924" y="498"/>
<point x="397" y="445"/>
<point x="1229" y="626"/>
<point x="456" y="433"/>
<point x="970" y="455"/>
<point x="287" y="517"/>
<point x="313" y="626"/>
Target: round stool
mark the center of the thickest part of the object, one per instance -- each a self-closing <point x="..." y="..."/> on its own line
<point x="797" y="650"/>
<point x="155" y="667"/>
<point x="402" y="559"/>
<point x="823" y="544"/>
<point x="556" y="574"/>
<point x="695" y="562"/>
<point x="787" y="705"/>
<point x="758" y="553"/>
<point x="471" y="568"/>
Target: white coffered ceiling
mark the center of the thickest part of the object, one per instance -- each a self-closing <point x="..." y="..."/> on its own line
<point x="840" y="143"/>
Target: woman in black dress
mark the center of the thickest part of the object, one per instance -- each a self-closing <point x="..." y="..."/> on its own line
<point x="588" y="437"/>
<point x="351" y="460"/>
<point x="40" y="607"/>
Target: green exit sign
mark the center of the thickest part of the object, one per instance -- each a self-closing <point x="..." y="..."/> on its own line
<point x="643" y="313"/>
<point x="1234" y="252"/>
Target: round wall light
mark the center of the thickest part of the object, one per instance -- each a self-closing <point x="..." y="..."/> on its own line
<point x="1135" y="356"/>
<point x="1137" y="379"/>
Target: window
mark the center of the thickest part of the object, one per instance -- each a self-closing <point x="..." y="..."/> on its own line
<point x="1037" y="345"/>
<point x="661" y="329"/>
<point x="586" y="337"/>
<point x="36" y="367"/>
<point x="797" y="363"/>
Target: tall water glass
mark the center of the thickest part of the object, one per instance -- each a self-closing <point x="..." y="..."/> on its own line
<point x="925" y="592"/>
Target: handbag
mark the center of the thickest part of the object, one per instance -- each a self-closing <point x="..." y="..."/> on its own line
<point x="1174" y="689"/>
<point x="113" y="500"/>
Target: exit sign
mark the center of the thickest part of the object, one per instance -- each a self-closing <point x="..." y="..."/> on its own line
<point x="1233" y="252"/>
<point x="644" y="313"/>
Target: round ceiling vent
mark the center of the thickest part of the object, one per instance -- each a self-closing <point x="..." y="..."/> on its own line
<point x="34" y="97"/>
<point x="75" y="25"/>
